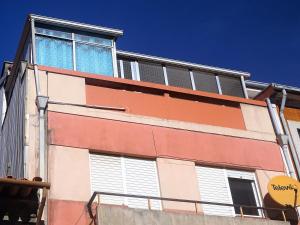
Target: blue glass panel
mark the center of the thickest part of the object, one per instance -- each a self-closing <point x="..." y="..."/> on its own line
<point x="93" y="38"/>
<point x="53" y="32"/>
<point x="54" y="52"/>
<point x="94" y="59"/>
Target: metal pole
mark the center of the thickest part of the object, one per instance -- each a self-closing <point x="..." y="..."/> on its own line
<point x="282" y="142"/>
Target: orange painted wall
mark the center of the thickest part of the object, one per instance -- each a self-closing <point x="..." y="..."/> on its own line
<point x="150" y="141"/>
<point x="67" y="213"/>
<point x="292" y="114"/>
<point x="167" y="107"/>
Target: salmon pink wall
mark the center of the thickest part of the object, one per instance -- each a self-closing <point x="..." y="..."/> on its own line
<point x="151" y="141"/>
<point x="167" y="107"/>
<point x="68" y="213"/>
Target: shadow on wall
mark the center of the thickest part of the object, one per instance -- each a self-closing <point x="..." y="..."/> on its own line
<point x="291" y="214"/>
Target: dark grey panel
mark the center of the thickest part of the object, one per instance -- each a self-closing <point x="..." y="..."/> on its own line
<point x="151" y="72"/>
<point x="231" y="86"/>
<point x="119" y="68"/>
<point x="12" y="133"/>
<point x="127" y="69"/>
<point x="179" y="77"/>
<point x="205" y="82"/>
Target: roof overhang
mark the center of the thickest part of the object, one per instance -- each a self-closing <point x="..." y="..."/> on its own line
<point x="76" y="25"/>
<point x="274" y="92"/>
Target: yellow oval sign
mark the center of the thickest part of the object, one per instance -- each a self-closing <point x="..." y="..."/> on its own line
<point x="285" y="190"/>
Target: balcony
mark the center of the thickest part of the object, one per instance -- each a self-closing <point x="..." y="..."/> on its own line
<point x="104" y="214"/>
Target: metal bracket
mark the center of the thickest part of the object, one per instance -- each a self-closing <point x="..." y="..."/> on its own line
<point x="282" y="139"/>
<point x="41" y="102"/>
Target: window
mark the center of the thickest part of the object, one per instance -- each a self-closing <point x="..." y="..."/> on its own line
<point x="67" y="49"/>
<point x="125" y="175"/>
<point x="298" y="132"/>
<point x="229" y="187"/>
<point x="54" y="52"/>
<point x="243" y="194"/>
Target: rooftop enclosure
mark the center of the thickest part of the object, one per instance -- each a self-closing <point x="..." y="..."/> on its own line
<point x="66" y="45"/>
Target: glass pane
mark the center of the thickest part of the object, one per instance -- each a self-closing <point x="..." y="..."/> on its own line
<point x="93" y="38"/>
<point x="53" y="31"/>
<point x="94" y="59"/>
<point x="242" y="194"/>
<point x="54" y="52"/>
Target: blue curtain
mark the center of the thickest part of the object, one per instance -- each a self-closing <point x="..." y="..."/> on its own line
<point x="93" y="38"/>
<point x="54" y="52"/>
<point x="93" y="59"/>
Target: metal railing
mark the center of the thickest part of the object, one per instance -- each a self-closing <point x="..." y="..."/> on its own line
<point x="242" y="208"/>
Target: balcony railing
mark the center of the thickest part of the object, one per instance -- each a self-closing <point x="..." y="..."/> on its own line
<point x="264" y="210"/>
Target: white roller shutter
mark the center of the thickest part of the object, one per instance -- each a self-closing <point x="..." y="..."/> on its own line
<point x="106" y="176"/>
<point x="241" y="174"/>
<point x="213" y="187"/>
<point x="125" y="175"/>
<point x="141" y="179"/>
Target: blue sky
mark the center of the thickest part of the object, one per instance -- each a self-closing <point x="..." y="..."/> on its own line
<point x="258" y="36"/>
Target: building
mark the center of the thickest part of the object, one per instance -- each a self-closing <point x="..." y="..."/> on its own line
<point x="134" y="132"/>
<point x="284" y="106"/>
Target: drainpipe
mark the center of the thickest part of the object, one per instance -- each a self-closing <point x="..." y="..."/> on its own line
<point x="282" y="140"/>
<point x="287" y="131"/>
<point x="41" y="102"/>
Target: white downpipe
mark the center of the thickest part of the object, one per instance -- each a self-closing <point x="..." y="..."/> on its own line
<point x="281" y="138"/>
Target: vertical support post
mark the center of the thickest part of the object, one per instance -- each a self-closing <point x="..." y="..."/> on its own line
<point x="192" y="80"/>
<point x="41" y="206"/>
<point x="244" y="87"/>
<point x="196" y="207"/>
<point x="283" y="215"/>
<point x="121" y="68"/>
<point x="242" y="212"/>
<point x="114" y="59"/>
<point x="149" y="203"/>
<point x="74" y="51"/>
<point x="219" y="85"/>
<point x="165" y="75"/>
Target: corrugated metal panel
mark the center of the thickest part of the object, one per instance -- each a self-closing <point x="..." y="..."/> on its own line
<point x="12" y="132"/>
<point x="179" y="77"/>
<point x="106" y="176"/>
<point x="231" y="86"/>
<point x="205" y="82"/>
<point x="151" y="72"/>
<point x="119" y="68"/>
<point x="127" y="69"/>
<point x="213" y="187"/>
<point x="141" y="179"/>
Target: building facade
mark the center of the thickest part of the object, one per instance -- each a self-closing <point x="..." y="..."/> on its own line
<point x="145" y="132"/>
